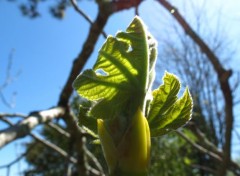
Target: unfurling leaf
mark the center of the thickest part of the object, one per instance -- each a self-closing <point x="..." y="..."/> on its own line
<point x="166" y="111"/>
<point x="123" y="104"/>
<point x="120" y="77"/>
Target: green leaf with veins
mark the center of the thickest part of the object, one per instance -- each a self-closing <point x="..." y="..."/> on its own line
<point x="165" y="96"/>
<point x="166" y="111"/>
<point x="119" y="88"/>
<point x="121" y="81"/>
<point x="120" y="77"/>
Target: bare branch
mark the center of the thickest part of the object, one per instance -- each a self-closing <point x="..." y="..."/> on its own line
<point x="223" y="77"/>
<point x="204" y="168"/>
<point x="122" y="5"/>
<point x="55" y="148"/>
<point x="13" y="115"/>
<point x="74" y="3"/>
<point x="137" y="10"/>
<point x="24" y="127"/>
<point x="187" y="28"/>
<point x="6" y="121"/>
<point x="4" y="100"/>
<point x="58" y="129"/>
<point x="217" y="155"/>
<point x="236" y="83"/>
<point x="237" y="134"/>
<point x="8" y="80"/>
<point x="200" y="148"/>
<point x="75" y="141"/>
<point x="94" y="171"/>
<point x="92" y="157"/>
<point x="206" y="143"/>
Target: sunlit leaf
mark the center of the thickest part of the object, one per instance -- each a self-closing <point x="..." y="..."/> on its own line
<point x="164" y="97"/>
<point x="119" y="79"/>
<point x="178" y="115"/>
<point x="119" y="89"/>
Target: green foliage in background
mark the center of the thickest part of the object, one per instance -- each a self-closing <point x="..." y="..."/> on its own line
<point x="170" y="156"/>
<point x="44" y="161"/>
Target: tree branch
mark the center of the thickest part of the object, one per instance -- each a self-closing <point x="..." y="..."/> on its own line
<point x="58" y="129"/>
<point x="24" y="127"/>
<point x="201" y="137"/>
<point x="204" y="168"/>
<point x="84" y="15"/>
<point x="92" y="157"/>
<point x="8" y="80"/>
<point x="6" y="120"/>
<point x="94" y="171"/>
<point x="217" y="155"/>
<point x="199" y="147"/>
<point x="55" y="148"/>
<point x="75" y="141"/>
<point x="223" y="77"/>
<point x="13" y="115"/>
<point x="123" y="5"/>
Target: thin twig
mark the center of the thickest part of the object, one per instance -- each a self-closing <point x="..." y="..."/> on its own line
<point x="237" y="134"/>
<point x="223" y="78"/>
<point x="236" y="84"/>
<point x="54" y="148"/>
<point x="58" y="129"/>
<point x="6" y="120"/>
<point x="13" y="115"/>
<point x="75" y="141"/>
<point x="204" y="168"/>
<point x="201" y="136"/>
<point x="8" y="80"/>
<point x="92" y="157"/>
<point x="75" y="6"/>
<point x="24" y="127"/>
<point x="234" y="167"/>
<point x="200" y="148"/>
<point x="137" y="10"/>
<point x="4" y="100"/>
<point x="94" y="171"/>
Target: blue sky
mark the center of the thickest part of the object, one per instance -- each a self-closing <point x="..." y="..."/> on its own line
<point x="44" y="49"/>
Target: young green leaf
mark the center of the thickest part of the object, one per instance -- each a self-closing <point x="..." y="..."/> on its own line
<point x="119" y="88"/>
<point x="164" y="97"/>
<point x="166" y="112"/>
<point x="176" y="116"/>
<point x="119" y="79"/>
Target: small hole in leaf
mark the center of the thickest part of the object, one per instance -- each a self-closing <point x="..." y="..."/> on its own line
<point x="130" y="49"/>
<point x="101" y="72"/>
